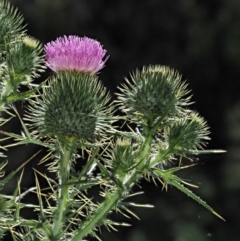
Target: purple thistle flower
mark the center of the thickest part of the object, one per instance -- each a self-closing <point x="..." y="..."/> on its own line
<point x="73" y="53"/>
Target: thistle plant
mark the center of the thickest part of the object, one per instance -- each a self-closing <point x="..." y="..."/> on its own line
<point x="72" y="116"/>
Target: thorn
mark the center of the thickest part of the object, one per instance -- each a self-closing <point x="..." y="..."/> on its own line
<point x="219" y="216"/>
<point x="20" y="167"/>
<point x="219" y="151"/>
<point x="187" y="166"/>
<point x="189" y="184"/>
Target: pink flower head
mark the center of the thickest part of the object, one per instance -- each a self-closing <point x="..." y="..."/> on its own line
<point x="72" y="53"/>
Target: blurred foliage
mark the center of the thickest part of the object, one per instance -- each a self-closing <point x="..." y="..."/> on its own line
<point x="201" y="39"/>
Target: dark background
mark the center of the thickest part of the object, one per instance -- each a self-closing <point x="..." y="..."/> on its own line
<point x="200" y="39"/>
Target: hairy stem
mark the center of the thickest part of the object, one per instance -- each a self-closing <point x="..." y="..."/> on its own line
<point x="62" y="202"/>
<point x="8" y="89"/>
<point x="102" y="211"/>
<point x="111" y="201"/>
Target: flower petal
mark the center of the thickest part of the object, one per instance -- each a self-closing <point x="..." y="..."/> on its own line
<point x="73" y="53"/>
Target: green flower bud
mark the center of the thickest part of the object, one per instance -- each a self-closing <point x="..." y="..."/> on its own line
<point x="123" y="160"/>
<point x="25" y="59"/>
<point x="11" y="24"/>
<point x="73" y="105"/>
<point x="187" y="134"/>
<point x="154" y="92"/>
<point x="123" y="155"/>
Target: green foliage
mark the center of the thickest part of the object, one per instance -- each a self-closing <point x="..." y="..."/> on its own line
<point x="73" y="114"/>
<point x="11" y="25"/>
<point x="169" y="178"/>
<point x="20" y="56"/>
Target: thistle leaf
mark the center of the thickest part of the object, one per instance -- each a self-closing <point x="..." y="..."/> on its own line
<point x="189" y="193"/>
<point x="175" y="181"/>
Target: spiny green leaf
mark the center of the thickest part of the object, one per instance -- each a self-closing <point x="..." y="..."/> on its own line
<point x="21" y="96"/>
<point x="175" y="181"/>
<point x="194" y="197"/>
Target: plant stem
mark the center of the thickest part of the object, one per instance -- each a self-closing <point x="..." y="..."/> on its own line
<point x="24" y="223"/>
<point x="62" y="202"/>
<point x="111" y="201"/>
<point x="98" y="216"/>
<point x="8" y="89"/>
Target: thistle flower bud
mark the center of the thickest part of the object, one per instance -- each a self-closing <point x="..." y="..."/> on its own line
<point x="25" y="59"/>
<point x="187" y="134"/>
<point x="11" y="24"/>
<point x="123" y="155"/>
<point x="73" y="105"/>
<point x="154" y="92"/>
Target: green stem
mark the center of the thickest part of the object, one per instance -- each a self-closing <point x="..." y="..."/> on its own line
<point x="26" y="223"/>
<point x="59" y="218"/>
<point x="162" y="156"/>
<point x="8" y="89"/>
<point x="98" y="216"/>
<point x="145" y="151"/>
<point x="111" y="202"/>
